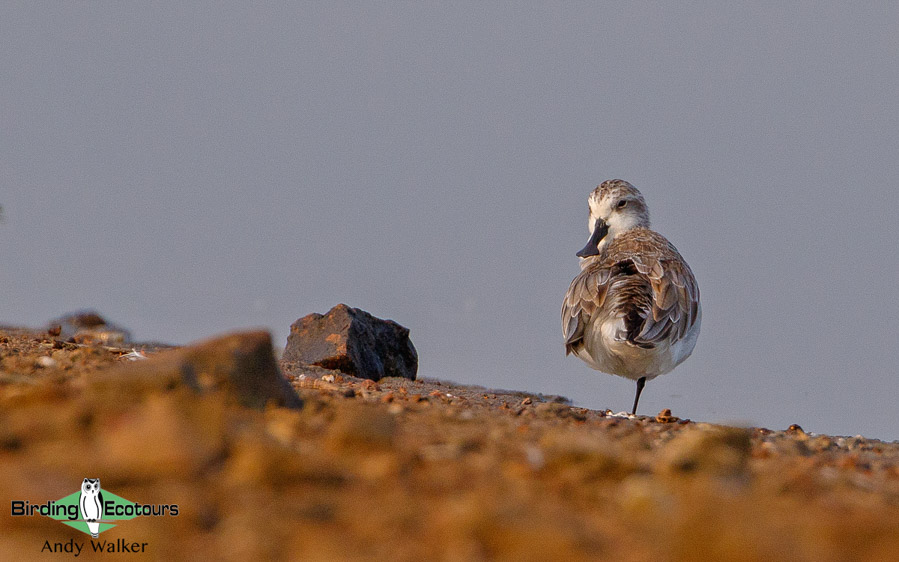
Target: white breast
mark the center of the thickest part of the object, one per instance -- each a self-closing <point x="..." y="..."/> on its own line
<point x="604" y="351"/>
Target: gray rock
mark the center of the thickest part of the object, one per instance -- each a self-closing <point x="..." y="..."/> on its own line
<point x="354" y="342"/>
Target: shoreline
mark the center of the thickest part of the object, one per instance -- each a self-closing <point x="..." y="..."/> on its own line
<point x="404" y="469"/>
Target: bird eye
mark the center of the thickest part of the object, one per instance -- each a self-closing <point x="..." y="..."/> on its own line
<point x="622" y="204"/>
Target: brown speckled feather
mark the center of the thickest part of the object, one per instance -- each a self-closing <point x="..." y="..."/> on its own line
<point x="641" y="277"/>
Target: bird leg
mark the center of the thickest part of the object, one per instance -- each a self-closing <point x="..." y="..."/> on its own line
<point x="641" y="382"/>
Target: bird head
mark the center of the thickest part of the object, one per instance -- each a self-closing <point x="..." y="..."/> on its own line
<point x="615" y="207"/>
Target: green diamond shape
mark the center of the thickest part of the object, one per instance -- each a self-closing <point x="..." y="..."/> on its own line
<point x="106" y="523"/>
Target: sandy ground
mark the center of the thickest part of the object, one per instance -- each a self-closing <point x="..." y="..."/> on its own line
<point x="421" y="470"/>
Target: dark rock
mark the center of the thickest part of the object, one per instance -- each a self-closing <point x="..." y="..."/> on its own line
<point x="353" y="341"/>
<point x="88" y="327"/>
<point x="242" y="364"/>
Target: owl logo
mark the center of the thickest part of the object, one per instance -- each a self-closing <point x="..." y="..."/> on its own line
<point x="91" y="504"/>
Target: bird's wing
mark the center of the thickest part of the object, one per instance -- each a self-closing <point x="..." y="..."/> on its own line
<point x="675" y="294"/>
<point x="670" y="313"/>
<point x="585" y="295"/>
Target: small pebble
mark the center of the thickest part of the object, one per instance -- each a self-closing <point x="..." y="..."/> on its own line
<point x="46" y="362"/>
<point x="135" y="355"/>
<point x="535" y="457"/>
<point x="666" y="417"/>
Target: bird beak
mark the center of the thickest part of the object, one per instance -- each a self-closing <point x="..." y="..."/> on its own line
<point x="599" y="232"/>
